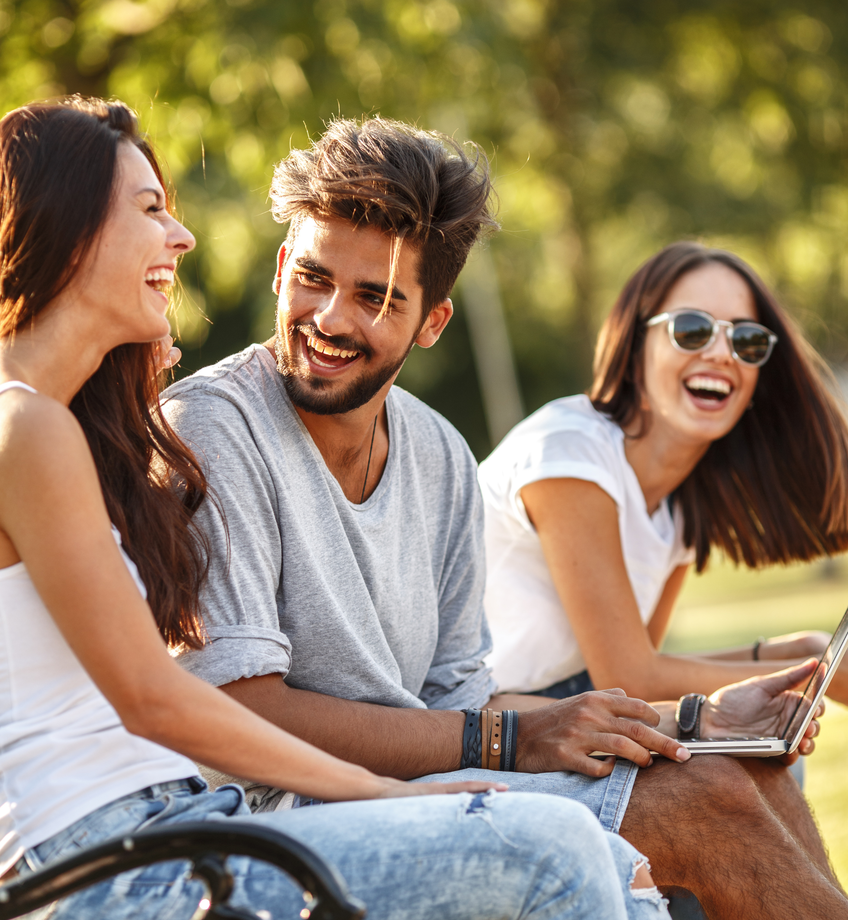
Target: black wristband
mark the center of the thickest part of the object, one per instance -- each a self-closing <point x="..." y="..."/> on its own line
<point x="688" y="716"/>
<point x="472" y="748"/>
<point x="510" y="740"/>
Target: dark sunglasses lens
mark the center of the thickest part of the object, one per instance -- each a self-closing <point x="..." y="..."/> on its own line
<point x="750" y="342"/>
<point x="692" y="330"/>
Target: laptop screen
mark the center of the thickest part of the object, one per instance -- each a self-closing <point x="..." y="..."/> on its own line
<point x="796" y="722"/>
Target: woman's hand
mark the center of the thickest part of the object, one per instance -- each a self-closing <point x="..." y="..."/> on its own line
<point x="760" y="706"/>
<point x="396" y="788"/>
<point x="805" y="644"/>
<point x="167" y="354"/>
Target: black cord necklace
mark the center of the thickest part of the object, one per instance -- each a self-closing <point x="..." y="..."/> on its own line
<point x="368" y="465"/>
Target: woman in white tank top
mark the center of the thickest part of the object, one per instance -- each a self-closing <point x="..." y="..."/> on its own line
<point x="99" y="728"/>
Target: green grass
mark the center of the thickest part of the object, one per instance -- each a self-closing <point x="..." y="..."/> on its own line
<point x="728" y="606"/>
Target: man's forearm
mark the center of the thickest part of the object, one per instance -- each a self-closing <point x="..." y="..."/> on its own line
<point x="403" y="743"/>
<point x="408" y="743"/>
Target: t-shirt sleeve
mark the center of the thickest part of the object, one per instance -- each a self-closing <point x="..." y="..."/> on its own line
<point x="458" y="678"/>
<point x="239" y="600"/>
<point x="578" y="452"/>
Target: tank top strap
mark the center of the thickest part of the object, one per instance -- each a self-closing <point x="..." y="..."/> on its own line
<point x="16" y="384"/>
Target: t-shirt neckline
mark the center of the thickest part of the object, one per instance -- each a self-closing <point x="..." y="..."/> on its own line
<point x="662" y="518"/>
<point x="391" y="461"/>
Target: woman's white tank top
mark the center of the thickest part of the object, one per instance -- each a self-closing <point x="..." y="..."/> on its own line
<point x="63" y="749"/>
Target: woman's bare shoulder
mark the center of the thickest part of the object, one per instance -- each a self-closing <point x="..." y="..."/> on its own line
<point x="33" y="421"/>
<point x="38" y="435"/>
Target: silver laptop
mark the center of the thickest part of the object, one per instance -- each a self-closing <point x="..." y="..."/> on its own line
<point x="797" y="724"/>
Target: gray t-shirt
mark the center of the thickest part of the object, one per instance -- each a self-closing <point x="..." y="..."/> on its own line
<point x="380" y="602"/>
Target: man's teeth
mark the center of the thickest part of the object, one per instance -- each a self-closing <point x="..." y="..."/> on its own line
<point x="160" y="279"/>
<point x="315" y="345"/>
<point x="713" y="384"/>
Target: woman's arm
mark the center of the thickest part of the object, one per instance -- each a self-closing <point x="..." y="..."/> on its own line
<point x="661" y="617"/>
<point x="52" y="510"/>
<point x="777" y="648"/>
<point x="577" y="523"/>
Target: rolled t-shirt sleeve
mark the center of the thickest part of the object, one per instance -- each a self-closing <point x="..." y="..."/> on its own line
<point x="239" y="600"/>
<point x="576" y="453"/>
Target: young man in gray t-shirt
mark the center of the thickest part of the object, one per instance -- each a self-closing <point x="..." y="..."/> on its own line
<point x="344" y="600"/>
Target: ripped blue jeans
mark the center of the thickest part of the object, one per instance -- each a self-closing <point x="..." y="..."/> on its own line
<point x="491" y="856"/>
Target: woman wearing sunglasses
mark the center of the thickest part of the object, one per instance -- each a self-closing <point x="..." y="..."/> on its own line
<point x="708" y="426"/>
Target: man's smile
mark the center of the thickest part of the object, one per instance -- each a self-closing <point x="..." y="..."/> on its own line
<point x="325" y="355"/>
<point x="322" y="355"/>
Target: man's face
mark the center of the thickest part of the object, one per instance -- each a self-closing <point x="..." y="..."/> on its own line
<point x="332" y="352"/>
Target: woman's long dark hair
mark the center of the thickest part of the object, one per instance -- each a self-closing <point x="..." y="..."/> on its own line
<point x="775" y="488"/>
<point x="57" y="177"/>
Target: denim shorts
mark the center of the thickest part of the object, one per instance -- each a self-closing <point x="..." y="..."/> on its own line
<point x="571" y="686"/>
<point x="443" y="857"/>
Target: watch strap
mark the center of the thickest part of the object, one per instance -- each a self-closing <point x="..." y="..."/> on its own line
<point x="688" y="716"/>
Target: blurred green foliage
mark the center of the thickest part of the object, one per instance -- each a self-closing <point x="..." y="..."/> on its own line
<point x="614" y="127"/>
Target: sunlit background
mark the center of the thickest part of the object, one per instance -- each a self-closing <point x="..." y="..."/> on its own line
<point x="613" y="127"/>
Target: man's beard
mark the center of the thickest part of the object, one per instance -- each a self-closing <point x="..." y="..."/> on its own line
<point x="310" y="394"/>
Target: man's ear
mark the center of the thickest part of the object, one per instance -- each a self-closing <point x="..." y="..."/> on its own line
<point x="281" y="261"/>
<point x="435" y="324"/>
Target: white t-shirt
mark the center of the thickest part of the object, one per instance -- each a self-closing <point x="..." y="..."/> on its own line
<point x="534" y="645"/>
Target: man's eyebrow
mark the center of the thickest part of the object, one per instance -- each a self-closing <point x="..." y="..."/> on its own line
<point x="310" y="265"/>
<point x="397" y="293"/>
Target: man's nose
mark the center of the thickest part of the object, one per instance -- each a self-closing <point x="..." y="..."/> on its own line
<point x="335" y="316"/>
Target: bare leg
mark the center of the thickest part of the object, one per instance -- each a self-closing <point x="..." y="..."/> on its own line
<point x="707" y="827"/>
<point x="780" y="790"/>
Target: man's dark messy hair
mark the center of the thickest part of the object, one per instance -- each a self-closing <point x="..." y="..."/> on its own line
<point x="420" y="187"/>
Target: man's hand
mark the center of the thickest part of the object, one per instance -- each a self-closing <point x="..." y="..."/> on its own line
<point x="562" y="735"/>
<point x="760" y="706"/>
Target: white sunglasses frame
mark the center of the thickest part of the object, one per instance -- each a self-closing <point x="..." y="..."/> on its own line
<point x="717" y="324"/>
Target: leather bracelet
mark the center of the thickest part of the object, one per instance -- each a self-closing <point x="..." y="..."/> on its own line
<point x="755" y="651"/>
<point x="510" y="740"/>
<point x="495" y="739"/>
<point x="471" y="747"/>
<point x="688" y="716"/>
<point x="489" y="739"/>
